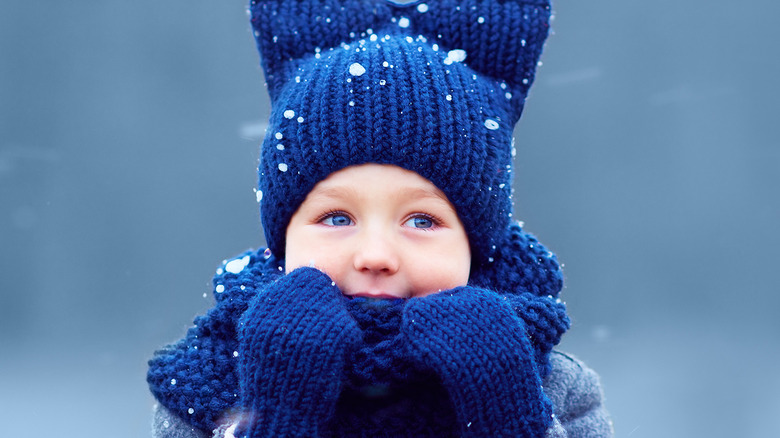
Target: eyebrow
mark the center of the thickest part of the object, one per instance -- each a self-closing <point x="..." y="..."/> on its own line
<point x="423" y="193"/>
<point x="342" y="192"/>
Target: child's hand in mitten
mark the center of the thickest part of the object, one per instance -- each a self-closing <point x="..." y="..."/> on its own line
<point x="293" y="339"/>
<point x="472" y="339"/>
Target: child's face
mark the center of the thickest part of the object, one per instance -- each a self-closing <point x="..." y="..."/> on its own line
<point x="380" y="231"/>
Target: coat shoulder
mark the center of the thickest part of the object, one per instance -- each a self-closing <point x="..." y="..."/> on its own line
<point x="166" y="424"/>
<point x="578" y="399"/>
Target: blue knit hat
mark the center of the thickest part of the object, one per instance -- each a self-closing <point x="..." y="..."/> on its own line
<point x="435" y="87"/>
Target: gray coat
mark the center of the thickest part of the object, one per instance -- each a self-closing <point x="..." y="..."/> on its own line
<point x="573" y="388"/>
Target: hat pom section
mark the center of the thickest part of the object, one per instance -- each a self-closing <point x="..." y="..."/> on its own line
<point x="289" y="30"/>
<point x="501" y="39"/>
<point x="520" y="264"/>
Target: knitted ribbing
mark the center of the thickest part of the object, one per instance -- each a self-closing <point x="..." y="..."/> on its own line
<point x="573" y="388"/>
<point x="545" y="322"/>
<point x="385" y="392"/>
<point x="527" y="275"/>
<point x="379" y="363"/>
<point x="204" y="367"/>
<point x="435" y="88"/>
<point x="196" y="377"/>
<point x="361" y="81"/>
<point x="478" y="347"/>
<point x="520" y="264"/>
<point x="293" y="344"/>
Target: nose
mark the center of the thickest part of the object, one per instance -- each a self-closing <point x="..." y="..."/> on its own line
<point x="375" y="253"/>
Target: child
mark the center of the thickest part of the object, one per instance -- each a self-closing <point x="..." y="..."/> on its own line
<point x="396" y="296"/>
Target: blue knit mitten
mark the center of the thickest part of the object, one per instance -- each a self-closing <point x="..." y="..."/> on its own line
<point x="473" y="340"/>
<point x="293" y="344"/>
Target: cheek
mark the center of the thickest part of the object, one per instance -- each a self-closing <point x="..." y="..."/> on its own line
<point x="456" y="273"/>
<point x="297" y="254"/>
<point x="446" y="268"/>
<point x="458" y="256"/>
<point x="304" y="257"/>
<point x="308" y="251"/>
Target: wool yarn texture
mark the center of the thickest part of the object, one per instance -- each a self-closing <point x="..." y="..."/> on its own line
<point x="293" y="344"/>
<point x="386" y="390"/>
<point x="434" y="87"/>
<point x="212" y="377"/>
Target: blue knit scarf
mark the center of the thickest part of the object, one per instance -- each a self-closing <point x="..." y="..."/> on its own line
<point x="289" y="355"/>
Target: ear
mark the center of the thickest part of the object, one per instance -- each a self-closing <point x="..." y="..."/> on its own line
<point x="502" y="39"/>
<point x="288" y="30"/>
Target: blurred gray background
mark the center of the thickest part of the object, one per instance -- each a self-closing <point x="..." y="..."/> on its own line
<point x="647" y="159"/>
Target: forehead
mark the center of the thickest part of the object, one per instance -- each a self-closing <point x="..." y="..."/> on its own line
<point x="362" y="180"/>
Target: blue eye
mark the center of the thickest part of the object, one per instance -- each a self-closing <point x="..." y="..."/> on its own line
<point x="337" y="220"/>
<point x="420" y="222"/>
